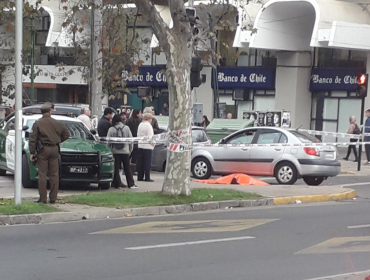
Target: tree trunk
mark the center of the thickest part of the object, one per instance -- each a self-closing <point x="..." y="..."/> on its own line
<point x="177" y="44"/>
<point x="177" y="175"/>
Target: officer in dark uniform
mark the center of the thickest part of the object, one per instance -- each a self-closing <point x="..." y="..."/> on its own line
<point x="49" y="133"/>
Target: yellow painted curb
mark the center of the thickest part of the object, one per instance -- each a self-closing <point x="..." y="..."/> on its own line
<point x="347" y="172"/>
<point x="315" y="198"/>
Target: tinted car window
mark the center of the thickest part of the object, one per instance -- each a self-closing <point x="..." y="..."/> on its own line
<point x="199" y="135"/>
<point x="242" y="138"/>
<point x="10" y="125"/>
<point x="271" y="138"/>
<point x="303" y="137"/>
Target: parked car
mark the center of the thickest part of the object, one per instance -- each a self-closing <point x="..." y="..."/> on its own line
<point x="287" y="163"/>
<point x="82" y="158"/>
<point x="219" y="128"/>
<point x="160" y="150"/>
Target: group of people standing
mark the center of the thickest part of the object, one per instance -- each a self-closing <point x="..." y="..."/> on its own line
<point x="135" y="158"/>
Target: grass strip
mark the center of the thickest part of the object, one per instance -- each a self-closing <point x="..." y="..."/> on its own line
<point x="140" y="199"/>
<point x="7" y="207"/>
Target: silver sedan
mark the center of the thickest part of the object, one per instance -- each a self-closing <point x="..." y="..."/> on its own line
<point x="286" y="163"/>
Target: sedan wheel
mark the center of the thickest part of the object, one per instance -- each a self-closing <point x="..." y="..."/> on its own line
<point x="313" y="180"/>
<point x="201" y="168"/>
<point x="286" y="173"/>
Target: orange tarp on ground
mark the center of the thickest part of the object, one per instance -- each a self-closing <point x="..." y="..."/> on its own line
<point x="237" y="178"/>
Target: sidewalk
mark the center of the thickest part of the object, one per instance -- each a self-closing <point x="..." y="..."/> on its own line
<point x="272" y="195"/>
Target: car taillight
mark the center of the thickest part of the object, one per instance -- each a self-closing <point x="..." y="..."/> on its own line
<point x="312" y="151"/>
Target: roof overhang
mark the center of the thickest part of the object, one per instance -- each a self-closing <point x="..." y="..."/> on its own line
<point x="300" y="25"/>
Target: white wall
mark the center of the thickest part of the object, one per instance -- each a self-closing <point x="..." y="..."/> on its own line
<point x="292" y="86"/>
<point x="204" y="94"/>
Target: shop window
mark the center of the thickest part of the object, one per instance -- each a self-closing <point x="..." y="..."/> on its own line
<point x="336" y="58"/>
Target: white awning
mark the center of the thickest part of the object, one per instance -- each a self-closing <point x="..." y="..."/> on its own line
<point x="299" y="25"/>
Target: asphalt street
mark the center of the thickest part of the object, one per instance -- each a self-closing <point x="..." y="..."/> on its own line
<point x="275" y="242"/>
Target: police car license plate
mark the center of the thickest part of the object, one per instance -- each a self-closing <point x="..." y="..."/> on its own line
<point x="78" y="169"/>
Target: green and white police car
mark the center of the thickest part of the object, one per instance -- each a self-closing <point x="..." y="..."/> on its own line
<point x="82" y="158"/>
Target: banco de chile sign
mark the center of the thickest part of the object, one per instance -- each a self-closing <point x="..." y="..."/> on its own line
<point x="151" y="76"/>
<point x="245" y="77"/>
<point x="323" y="79"/>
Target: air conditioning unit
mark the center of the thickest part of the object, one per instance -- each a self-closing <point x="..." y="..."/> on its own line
<point x="143" y="92"/>
<point x="238" y="94"/>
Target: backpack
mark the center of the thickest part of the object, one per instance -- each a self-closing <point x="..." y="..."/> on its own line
<point x="357" y="130"/>
<point x="118" y="134"/>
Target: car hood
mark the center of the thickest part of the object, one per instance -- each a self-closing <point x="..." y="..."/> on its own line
<point x="78" y="145"/>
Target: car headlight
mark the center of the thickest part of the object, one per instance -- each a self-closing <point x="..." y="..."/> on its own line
<point x="106" y="158"/>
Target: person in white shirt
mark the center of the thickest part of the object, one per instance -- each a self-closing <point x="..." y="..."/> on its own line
<point x="145" y="151"/>
<point x="85" y="117"/>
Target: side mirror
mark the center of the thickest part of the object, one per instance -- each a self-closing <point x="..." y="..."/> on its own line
<point x="25" y="127"/>
<point x="93" y="131"/>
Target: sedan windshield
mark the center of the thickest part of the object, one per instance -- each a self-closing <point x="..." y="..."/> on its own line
<point x="77" y="130"/>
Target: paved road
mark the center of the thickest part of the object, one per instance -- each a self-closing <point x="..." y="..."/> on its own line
<point x="287" y="242"/>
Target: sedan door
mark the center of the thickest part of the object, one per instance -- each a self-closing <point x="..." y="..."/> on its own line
<point x="263" y="159"/>
<point x="235" y="159"/>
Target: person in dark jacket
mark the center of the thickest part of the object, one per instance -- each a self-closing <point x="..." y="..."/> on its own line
<point x="165" y="110"/>
<point x="105" y="122"/>
<point x="367" y="138"/>
<point x="205" y="122"/>
<point x="133" y="123"/>
<point x="49" y="133"/>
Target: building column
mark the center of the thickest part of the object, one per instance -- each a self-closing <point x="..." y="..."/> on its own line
<point x="292" y="86"/>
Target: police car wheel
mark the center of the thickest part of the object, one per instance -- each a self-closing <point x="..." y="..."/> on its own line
<point x="26" y="179"/>
<point x="104" y="186"/>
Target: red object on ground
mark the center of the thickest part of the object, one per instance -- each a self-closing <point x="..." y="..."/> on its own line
<point x="237" y="178"/>
<point x="367" y="278"/>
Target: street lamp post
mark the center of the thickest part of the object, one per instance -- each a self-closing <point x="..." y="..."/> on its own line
<point x="32" y="60"/>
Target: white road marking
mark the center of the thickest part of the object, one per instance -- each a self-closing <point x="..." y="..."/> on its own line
<point x="340" y="275"/>
<point x="355" y="184"/>
<point x="359" y="226"/>
<point x="189" y="243"/>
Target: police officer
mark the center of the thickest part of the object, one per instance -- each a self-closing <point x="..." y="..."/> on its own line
<point x="49" y="133"/>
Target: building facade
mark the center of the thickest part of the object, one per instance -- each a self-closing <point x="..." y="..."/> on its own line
<point x="300" y="56"/>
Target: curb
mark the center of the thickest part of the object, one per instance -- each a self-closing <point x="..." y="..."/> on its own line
<point x="107" y="213"/>
<point x="315" y="198"/>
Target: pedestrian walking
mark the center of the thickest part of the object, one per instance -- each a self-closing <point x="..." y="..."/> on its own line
<point x="45" y="138"/>
<point x="353" y="129"/>
<point x="133" y="123"/>
<point x="85" y="117"/>
<point x="367" y="138"/>
<point x="145" y="149"/>
<point x="121" y="153"/>
<point x="105" y="122"/>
